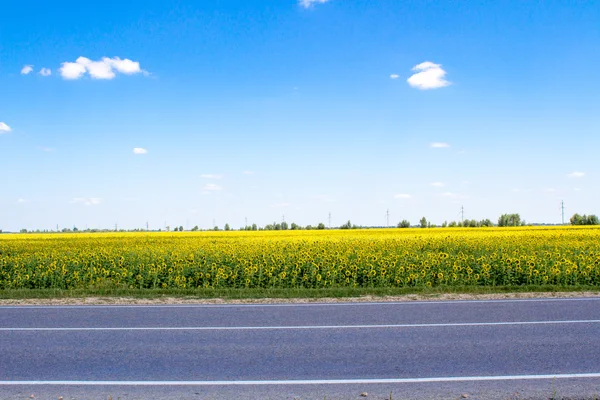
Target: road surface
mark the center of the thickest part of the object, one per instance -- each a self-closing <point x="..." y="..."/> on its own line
<point x="423" y="350"/>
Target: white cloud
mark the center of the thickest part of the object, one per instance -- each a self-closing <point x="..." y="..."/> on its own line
<point x="139" y="150"/>
<point x="4" y="128"/>
<point x="429" y="76"/>
<point x="106" y="68"/>
<point x="21" y="201"/>
<point x="211" y="176"/>
<point x="394" y="76"/>
<point x="402" y="196"/>
<point x="45" y="72"/>
<point x="26" y="69"/>
<point x="46" y="149"/>
<point x="576" y="174"/>
<point x="212" y="187"/>
<point x="248" y="172"/>
<point x="438" y="184"/>
<point x="88" y="201"/>
<point x="439" y="145"/>
<point x="71" y="70"/>
<point x="309" y="3"/>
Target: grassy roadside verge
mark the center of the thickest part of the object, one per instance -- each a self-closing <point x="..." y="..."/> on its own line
<point x="308" y="294"/>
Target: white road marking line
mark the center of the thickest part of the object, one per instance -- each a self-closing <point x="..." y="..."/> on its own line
<point x="380" y="303"/>
<point x="303" y="382"/>
<point x="300" y="327"/>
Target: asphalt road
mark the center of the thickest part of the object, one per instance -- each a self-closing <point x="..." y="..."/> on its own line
<point x="422" y="350"/>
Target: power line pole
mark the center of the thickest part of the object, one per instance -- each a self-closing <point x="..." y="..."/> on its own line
<point x="462" y="213"/>
<point x="147" y="228"/>
<point x="387" y="218"/>
<point x="562" y="208"/>
<point x="330" y="220"/>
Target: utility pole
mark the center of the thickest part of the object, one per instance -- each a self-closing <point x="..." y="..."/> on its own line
<point x="147" y="229"/>
<point x="116" y="227"/>
<point x="330" y="220"/>
<point x="462" y="213"/>
<point x="387" y="218"/>
<point x="246" y="219"/>
<point x="562" y="208"/>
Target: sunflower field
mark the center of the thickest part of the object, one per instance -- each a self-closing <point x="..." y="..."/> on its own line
<point x="384" y="258"/>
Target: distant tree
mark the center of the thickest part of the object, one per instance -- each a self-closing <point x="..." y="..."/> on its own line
<point x="284" y="226"/>
<point x="452" y="224"/>
<point x="592" y="220"/>
<point x="423" y="222"/>
<point x="510" y="220"/>
<point x="195" y="228"/>
<point x="321" y="225"/>
<point x="486" y="222"/>
<point x="347" y="225"/>
<point x="444" y="224"/>
<point x="577" y="219"/>
<point x="216" y="228"/>
<point x="227" y="227"/>
<point x="295" y="226"/>
<point x="404" y="224"/>
<point x="23" y="230"/>
<point x="254" y="227"/>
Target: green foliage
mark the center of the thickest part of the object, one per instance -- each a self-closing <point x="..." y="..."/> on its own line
<point x="404" y="224"/>
<point x="510" y="220"/>
<point x="577" y="219"/>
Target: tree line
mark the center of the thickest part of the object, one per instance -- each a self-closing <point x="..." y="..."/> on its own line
<point x="504" y="220"/>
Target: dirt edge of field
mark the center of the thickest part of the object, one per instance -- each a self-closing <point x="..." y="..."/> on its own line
<point x="193" y="300"/>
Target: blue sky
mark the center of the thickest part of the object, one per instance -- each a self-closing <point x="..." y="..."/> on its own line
<point x="184" y="113"/>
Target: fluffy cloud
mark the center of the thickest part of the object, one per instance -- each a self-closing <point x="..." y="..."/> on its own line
<point x="212" y="187"/>
<point x="576" y="174"/>
<point x="71" y="70"/>
<point x="309" y="3"/>
<point x="437" y="184"/>
<point x="21" y="201"/>
<point x="248" y="172"/>
<point x="139" y="150"/>
<point x="26" y="69"/>
<point x="106" y="68"/>
<point x="402" y="196"/>
<point x="88" y="201"/>
<point x="394" y="76"/>
<point x="4" y="128"/>
<point x="45" y="72"/>
<point x="211" y="176"/>
<point x="428" y="76"/>
<point x="439" y="145"/>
